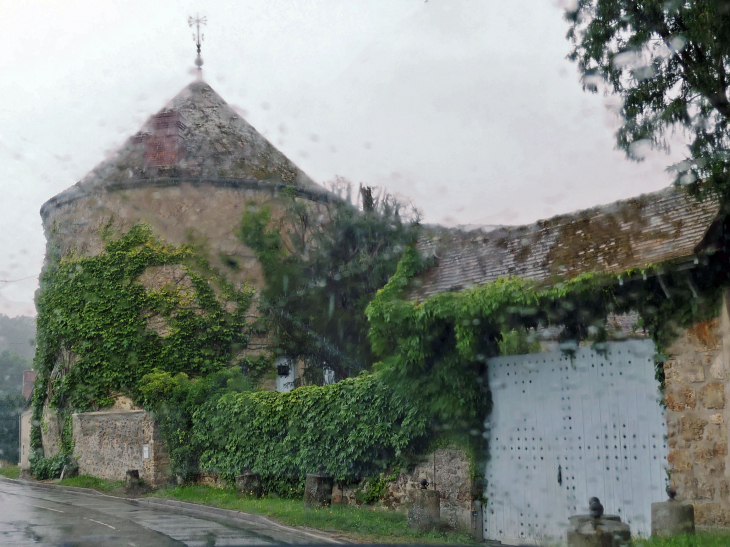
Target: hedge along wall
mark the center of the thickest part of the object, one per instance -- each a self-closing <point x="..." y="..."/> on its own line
<point x="355" y="428"/>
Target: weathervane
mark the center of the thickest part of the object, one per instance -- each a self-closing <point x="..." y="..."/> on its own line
<point x="197" y="38"/>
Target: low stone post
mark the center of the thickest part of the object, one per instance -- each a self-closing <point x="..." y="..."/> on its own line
<point x="425" y="511"/>
<point x="133" y="483"/>
<point x="597" y="529"/>
<point x="477" y="520"/>
<point x="71" y="469"/>
<point x="25" y="473"/>
<point x="672" y="518"/>
<point x="318" y="489"/>
<point x="249" y="484"/>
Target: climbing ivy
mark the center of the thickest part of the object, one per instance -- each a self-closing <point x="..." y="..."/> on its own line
<point x="175" y="401"/>
<point x="218" y="424"/>
<point x="518" y="342"/>
<point x="356" y="428"/>
<point x="434" y="351"/>
<point x="375" y="489"/>
<point x="93" y="335"/>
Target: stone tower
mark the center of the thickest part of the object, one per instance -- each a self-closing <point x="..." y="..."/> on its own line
<point x="189" y="173"/>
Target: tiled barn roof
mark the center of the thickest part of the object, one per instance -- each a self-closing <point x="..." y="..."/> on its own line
<point x="633" y="233"/>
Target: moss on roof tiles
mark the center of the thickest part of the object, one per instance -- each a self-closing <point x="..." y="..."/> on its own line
<point x="624" y="235"/>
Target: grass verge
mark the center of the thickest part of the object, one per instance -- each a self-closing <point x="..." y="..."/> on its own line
<point x="706" y="539"/>
<point x="84" y="481"/>
<point x="10" y="471"/>
<point x="365" y="523"/>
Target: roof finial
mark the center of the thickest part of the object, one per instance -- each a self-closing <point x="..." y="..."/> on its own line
<point x="197" y="38"/>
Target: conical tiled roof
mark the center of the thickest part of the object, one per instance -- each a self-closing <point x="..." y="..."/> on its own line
<point x="196" y="136"/>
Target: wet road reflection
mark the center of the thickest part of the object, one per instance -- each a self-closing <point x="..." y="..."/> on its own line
<point x="35" y="516"/>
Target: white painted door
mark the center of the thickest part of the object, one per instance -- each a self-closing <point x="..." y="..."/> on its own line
<point x="562" y="432"/>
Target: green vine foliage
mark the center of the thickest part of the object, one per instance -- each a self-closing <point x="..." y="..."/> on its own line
<point x="518" y="342"/>
<point x="93" y="339"/>
<point x="434" y="352"/>
<point x="175" y="400"/>
<point x="48" y="468"/>
<point x="375" y="489"/>
<point x="357" y="427"/>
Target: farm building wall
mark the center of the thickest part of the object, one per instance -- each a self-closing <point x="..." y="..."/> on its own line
<point x="206" y="214"/>
<point x="24" y="453"/>
<point x="697" y="418"/>
<point x="107" y="444"/>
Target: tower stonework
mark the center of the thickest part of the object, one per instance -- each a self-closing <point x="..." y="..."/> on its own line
<point x="190" y="173"/>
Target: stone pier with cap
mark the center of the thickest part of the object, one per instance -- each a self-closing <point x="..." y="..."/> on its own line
<point x="318" y="489"/>
<point x="248" y="484"/>
<point x="424" y="514"/>
<point x="672" y="518"/>
<point x="597" y="529"/>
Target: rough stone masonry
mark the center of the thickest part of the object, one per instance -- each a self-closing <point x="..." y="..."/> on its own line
<point x="109" y="443"/>
<point x="696" y="394"/>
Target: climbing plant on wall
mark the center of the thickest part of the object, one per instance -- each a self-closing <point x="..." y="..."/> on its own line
<point x="94" y="335"/>
<point x="355" y="428"/>
<point x="434" y="351"/>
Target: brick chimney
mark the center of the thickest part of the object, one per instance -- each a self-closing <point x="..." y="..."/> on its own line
<point x="28" y="381"/>
<point x="165" y="146"/>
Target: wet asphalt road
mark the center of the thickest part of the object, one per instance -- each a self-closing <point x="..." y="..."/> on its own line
<point x="35" y="516"/>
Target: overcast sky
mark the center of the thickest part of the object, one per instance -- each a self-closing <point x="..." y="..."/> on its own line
<point x="467" y="107"/>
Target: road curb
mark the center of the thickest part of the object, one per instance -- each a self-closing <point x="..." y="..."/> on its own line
<point x="195" y="508"/>
<point x="250" y="518"/>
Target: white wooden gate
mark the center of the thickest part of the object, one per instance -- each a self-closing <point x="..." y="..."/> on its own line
<point x="562" y="432"/>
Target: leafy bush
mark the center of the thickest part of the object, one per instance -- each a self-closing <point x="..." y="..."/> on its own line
<point x="47" y="468"/>
<point x="175" y="400"/>
<point x="355" y="428"/>
<point x="373" y="490"/>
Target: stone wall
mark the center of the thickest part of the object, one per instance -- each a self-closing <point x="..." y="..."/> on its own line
<point x="183" y="213"/>
<point x="25" y="421"/>
<point x="108" y="443"/>
<point x="696" y="386"/>
<point x="446" y="470"/>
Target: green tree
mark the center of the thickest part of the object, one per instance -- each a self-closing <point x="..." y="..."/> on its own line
<point x="320" y="279"/>
<point x="668" y="61"/>
<point x="10" y="408"/>
<point x="12" y="366"/>
<point x="18" y="334"/>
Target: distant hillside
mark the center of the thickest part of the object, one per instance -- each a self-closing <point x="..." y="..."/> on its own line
<point x="16" y="334"/>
